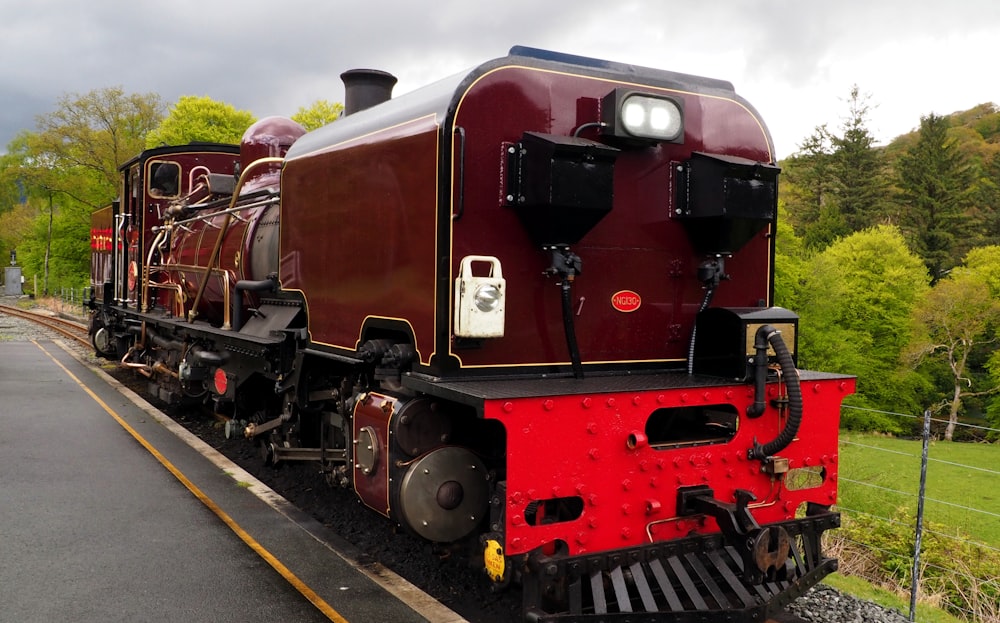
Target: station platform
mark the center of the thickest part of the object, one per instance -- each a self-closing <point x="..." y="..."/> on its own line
<point x="109" y="511"/>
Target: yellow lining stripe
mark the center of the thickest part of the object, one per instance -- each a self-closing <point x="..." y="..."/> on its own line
<point x="259" y="549"/>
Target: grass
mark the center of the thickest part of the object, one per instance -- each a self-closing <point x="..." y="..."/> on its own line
<point x="879" y="474"/>
<point x="864" y="590"/>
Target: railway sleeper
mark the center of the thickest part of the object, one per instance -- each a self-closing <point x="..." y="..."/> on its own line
<point x="695" y="579"/>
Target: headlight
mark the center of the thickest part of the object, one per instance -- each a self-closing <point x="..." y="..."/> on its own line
<point x="642" y="116"/>
<point x="487" y="297"/>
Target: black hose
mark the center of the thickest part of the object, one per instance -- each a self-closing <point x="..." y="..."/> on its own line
<point x="709" y="292"/>
<point x="567" y="310"/>
<point x="791" y="376"/>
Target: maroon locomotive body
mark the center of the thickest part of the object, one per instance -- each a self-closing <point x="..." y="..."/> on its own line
<point x="530" y="305"/>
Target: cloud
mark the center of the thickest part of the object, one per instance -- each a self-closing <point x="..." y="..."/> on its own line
<point x="795" y="61"/>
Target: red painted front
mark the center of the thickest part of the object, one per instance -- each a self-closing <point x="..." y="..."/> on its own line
<point x="577" y="447"/>
<point x="638" y="247"/>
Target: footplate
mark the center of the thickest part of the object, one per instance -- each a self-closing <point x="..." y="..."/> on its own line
<point x="693" y="579"/>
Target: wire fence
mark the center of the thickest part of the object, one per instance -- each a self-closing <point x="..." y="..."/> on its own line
<point x="925" y="515"/>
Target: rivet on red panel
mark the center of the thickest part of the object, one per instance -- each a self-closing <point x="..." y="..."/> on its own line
<point x="626" y="484"/>
<point x="816" y="388"/>
<point x="636" y="399"/>
<point x="592" y="428"/>
<point x="652" y="507"/>
<point x="707" y="396"/>
<point x="611" y="402"/>
<point x="684" y="397"/>
<point x="508" y="407"/>
<point x="626" y="509"/>
<point x="626" y="533"/>
<point x="660" y="398"/>
<point x="592" y="499"/>
<point x="548" y="405"/>
<point x="587" y="402"/>
<point x="594" y="454"/>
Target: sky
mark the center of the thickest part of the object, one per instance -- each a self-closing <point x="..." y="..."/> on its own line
<point x="796" y="61"/>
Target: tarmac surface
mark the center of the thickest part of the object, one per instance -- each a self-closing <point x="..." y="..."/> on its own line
<point x="109" y="512"/>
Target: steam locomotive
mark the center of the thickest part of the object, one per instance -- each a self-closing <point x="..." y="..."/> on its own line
<point x="529" y="306"/>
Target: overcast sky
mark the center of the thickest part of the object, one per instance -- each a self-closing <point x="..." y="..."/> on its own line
<point x="794" y="60"/>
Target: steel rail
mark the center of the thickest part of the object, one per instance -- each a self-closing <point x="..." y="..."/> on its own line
<point x="67" y="328"/>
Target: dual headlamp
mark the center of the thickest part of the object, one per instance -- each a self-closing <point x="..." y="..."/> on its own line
<point x="643" y="117"/>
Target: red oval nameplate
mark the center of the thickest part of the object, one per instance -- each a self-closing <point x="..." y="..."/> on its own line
<point x="626" y="301"/>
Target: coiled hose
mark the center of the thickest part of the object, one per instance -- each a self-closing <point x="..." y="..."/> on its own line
<point x="768" y="334"/>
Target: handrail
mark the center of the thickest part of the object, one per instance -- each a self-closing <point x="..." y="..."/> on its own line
<point x="244" y="176"/>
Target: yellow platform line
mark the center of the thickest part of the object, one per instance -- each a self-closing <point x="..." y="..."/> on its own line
<point x="276" y="564"/>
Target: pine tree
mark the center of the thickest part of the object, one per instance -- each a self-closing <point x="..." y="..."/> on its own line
<point x="935" y="182"/>
<point x="859" y="187"/>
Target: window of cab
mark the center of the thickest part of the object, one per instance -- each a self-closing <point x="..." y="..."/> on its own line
<point x="164" y="179"/>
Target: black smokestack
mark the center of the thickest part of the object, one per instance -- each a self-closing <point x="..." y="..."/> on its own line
<point x="364" y="88"/>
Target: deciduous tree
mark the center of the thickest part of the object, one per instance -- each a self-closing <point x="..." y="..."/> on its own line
<point x="318" y="114"/>
<point x="855" y="307"/>
<point x="956" y="317"/>
<point x="195" y="118"/>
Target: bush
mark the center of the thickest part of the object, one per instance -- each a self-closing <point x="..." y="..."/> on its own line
<point x="958" y="574"/>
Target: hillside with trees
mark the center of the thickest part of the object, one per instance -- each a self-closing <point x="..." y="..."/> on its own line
<point x="891" y="256"/>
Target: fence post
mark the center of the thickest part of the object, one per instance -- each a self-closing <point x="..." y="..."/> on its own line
<point x="915" y="576"/>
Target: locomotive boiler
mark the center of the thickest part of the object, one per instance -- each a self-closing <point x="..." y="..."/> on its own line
<point x="529" y="307"/>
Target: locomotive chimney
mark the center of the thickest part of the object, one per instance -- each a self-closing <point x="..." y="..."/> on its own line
<point x="364" y="88"/>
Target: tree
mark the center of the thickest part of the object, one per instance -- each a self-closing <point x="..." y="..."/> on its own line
<point x="806" y="190"/>
<point x="200" y="119"/>
<point x="855" y="307"/>
<point x="77" y="149"/>
<point x="71" y="163"/>
<point x="837" y="184"/>
<point x="958" y="316"/>
<point x="860" y="188"/>
<point x="319" y="114"/>
<point x="935" y="184"/>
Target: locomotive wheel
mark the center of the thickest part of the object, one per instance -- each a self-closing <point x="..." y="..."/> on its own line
<point x="104" y="343"/>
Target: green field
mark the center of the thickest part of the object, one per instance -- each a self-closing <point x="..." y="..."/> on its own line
<point x="960" y="476"/>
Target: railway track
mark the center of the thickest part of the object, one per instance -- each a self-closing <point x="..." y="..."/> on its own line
<point x="73" y="330"/>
